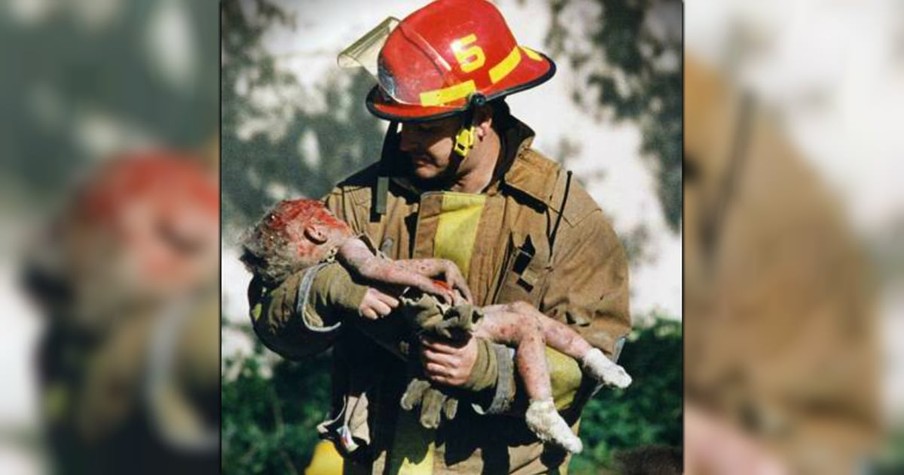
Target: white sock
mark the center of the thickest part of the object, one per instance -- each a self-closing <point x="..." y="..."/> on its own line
<point x="548" y="425"/>
<point x="604" y="370"/>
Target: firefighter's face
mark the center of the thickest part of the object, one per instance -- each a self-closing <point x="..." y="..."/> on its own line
<point x="429" y="146"/>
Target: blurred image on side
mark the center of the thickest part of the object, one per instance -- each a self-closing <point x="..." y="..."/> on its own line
<point x="129" y="359"/>
<point x="109" y="225"/>
<point x="789" y="206"/>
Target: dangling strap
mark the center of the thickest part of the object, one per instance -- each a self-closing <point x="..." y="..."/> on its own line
<point x="715" y="218"/>
<point x="555" y="229"/>
<point x="390" y="145"/>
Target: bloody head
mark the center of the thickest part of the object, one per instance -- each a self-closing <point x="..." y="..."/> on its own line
<point x="286" y="239"/>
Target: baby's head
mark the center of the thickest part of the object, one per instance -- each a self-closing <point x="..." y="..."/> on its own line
<point x="294" y="235"/>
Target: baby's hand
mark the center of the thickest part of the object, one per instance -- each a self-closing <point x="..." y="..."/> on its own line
<point x="446" y="280"/>
<point x="376" y="304"/>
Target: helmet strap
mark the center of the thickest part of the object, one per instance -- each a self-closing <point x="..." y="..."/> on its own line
<point x="465" y="138"/>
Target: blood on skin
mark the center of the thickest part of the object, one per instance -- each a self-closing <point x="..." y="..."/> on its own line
<point x="442" y="284"/>
<point x="289" y="219"/>
<point x="167" y="177"/>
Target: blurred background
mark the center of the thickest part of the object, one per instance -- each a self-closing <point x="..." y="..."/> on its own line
<point x="793" y="215"/>
<point x="85" y="83"/>
<point x="294" y="124"/>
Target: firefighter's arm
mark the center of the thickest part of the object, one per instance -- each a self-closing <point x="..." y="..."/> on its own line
<point x="302" y="315"/>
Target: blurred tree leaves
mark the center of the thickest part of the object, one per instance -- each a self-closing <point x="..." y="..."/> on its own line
<point x="269" y="422"/>
<point x="318" y="146"/>
<point x="75" y="89"/>
<point x="630" y="69"/>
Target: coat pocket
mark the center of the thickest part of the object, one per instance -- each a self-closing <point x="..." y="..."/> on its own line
<point x="524" y="270"/>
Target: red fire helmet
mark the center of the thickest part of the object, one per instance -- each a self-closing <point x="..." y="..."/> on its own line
<point x="430" y="64"/>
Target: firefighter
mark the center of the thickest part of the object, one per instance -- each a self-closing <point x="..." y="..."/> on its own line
<point x="458" y="179"/>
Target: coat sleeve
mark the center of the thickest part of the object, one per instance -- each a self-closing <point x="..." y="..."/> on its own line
<point x="588" y="290"/>
<point x="302" y="316"/>
<point x="588" y="284"/>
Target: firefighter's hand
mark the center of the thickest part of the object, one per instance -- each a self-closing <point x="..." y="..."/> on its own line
<point x="376" y="304"/>
<point x="451" y="362"/>
<point x="432" y="401"/>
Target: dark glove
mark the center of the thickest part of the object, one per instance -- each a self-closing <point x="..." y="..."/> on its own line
<point x="430" y="316"/>
<point x="457" y="320"/>
<point x="433" y="402"/>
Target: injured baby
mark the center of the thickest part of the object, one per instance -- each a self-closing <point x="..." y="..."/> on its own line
<point x="301" y="233"/>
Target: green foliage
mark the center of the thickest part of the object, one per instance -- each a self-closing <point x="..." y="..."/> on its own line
<point x="634" y="68"/>
<point x="647" y="412"/>
<point x="269" y="422"/>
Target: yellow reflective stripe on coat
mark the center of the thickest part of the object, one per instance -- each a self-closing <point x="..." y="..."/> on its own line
<point x="565" y="376"/>
<point x="457" y="228"/>
<point x="326" y="460"/>
<point x="413" y="447"/>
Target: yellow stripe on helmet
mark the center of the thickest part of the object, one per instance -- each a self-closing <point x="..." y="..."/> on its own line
<point x="506" y="66"/>
<point x="532" y="54"/>
<point x="438" y="97"/>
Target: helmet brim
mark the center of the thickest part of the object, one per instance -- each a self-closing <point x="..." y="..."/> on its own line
<point x="529" y="73"/>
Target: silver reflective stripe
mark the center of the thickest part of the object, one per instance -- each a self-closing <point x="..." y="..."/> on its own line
<point x="505" y="382"/>
<point x="619" y="346"/>
<point x="304" y="289"/>
<point x="160" y="379"/>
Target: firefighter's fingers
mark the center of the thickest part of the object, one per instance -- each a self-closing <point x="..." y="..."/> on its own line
<point x="450" y="408"/>
<point x="414" y="394"/>
<point x="374" y="306"/>
<point x="368" y="313"/>
<point x="431" y="408"/>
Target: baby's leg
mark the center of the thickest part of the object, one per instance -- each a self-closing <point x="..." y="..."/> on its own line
<point x="524" y="332"/>
<point x="561" y="337"/>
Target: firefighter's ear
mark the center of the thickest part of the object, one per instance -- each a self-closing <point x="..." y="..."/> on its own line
<point x="483" y="120"/>
<point x="315" y="233"/>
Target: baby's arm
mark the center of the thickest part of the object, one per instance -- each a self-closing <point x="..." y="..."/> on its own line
<point x="358" y="259"/>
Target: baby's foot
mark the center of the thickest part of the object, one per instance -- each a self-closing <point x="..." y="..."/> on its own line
<point x="604" y="370"/>
<point x="548" y="425"/>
